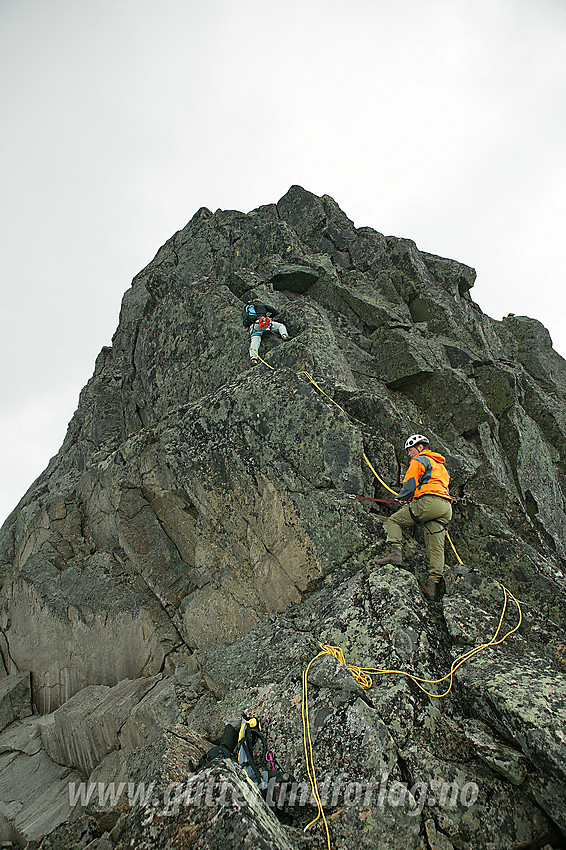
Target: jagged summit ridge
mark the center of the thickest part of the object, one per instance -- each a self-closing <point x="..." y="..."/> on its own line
<point x="197" y="512"/>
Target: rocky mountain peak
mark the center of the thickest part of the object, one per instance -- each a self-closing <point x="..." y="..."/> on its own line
<point x="194" y="541"/>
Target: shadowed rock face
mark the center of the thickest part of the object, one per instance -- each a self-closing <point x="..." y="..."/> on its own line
<point x="183" y="555"/>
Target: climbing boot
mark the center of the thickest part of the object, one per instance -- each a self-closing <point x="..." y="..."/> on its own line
<point x="433" y="589"/>
<point x="394" y="556"/>
<point x="284" y="336"/>
<point x="254" y="362"/>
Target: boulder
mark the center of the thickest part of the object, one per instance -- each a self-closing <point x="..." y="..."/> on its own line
<point x="34" y="790"/>
<point x="15" y="698"/>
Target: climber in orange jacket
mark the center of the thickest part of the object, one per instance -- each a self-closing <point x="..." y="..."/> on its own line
<point x="425" y="488"/>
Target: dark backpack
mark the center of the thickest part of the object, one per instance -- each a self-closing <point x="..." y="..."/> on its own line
<point x="249" y="314"/>
<point x="223" y="750"/>
<point x="249" y="747"/>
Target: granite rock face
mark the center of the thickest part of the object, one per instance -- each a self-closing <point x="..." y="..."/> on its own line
<point x="193" y="543"/>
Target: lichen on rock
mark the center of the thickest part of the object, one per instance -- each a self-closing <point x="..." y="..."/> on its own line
<point x="193" y="543"/>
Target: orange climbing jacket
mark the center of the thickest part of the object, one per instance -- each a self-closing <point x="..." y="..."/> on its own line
<point x="426" y="476"/>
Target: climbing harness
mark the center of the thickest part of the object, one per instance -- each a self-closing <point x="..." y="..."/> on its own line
<point x="371" y="499"/>
<point x="427" y="522"/>
<point x="264" y="322"/>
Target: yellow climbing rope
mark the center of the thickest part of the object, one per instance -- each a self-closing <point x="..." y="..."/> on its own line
<point x="319" y="388"/>
<point x="381" y="481"/>
<point x="367" y="460"/>
<point x="325" y="394"/>
<point x="363" y="677"/>
<point x="309" y="757"/>
<point x="458" y="558"/>
<point x="257" y="356"/>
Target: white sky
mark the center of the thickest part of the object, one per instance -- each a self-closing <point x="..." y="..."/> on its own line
<point x="438" y="120"/>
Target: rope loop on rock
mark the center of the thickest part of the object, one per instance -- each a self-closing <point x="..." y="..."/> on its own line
<point x="363" y="676"/>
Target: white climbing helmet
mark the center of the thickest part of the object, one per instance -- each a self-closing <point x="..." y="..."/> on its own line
<point x="415" y="439"/>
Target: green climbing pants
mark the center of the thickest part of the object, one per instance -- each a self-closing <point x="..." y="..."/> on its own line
<point x="433" y="513"/>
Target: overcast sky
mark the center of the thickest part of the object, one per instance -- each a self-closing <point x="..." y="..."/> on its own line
<point x="438" y="120"/>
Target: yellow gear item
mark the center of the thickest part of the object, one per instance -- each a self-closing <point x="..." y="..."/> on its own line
<point x="363" y="677"/>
